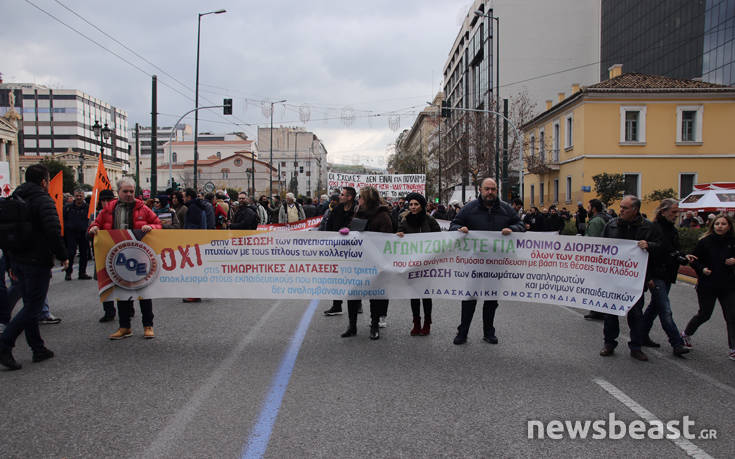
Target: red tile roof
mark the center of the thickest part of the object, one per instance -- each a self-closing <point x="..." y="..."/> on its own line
<point x="643" y="81"/>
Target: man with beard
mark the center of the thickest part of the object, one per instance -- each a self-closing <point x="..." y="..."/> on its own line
<point x="486" y="213"/>
<point x="246" y="217"/>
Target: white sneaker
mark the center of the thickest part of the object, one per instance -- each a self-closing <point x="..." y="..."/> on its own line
<point x="2" y="328"/>
<point x="687" y="340"/>
<point x="731" y="355"/>
<point x="382" y="322"/>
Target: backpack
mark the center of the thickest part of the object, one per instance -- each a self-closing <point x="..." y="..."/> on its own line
<point x="15" y="224"/>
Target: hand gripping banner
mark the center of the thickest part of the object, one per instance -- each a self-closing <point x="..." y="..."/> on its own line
<point x="604" y="275"/>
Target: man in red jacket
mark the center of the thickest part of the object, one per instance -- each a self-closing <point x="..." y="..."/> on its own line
<point x="128" y="213"/>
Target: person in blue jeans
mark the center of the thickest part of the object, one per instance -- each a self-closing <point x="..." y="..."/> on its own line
<point x="31" y="265"/>
<point x="9" y="297"/>
<point x="665" y="260"/>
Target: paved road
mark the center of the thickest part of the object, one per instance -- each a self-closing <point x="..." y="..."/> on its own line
<point x="208" y="385"/>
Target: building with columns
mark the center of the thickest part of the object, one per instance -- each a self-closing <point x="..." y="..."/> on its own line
<point x="9" y="123"/>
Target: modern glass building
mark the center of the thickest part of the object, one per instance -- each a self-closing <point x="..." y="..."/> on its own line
<point x="675" y="38"/>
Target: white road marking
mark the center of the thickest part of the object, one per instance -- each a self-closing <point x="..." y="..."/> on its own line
<point x="169" y="436"/>
<point x="690" y="448"/>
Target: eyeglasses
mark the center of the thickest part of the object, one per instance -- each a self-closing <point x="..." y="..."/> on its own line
<point x="156" y="201"/>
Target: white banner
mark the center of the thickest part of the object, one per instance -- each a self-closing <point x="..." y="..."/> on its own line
<point x="605" y="275"/>
<point x="389" y="186"/>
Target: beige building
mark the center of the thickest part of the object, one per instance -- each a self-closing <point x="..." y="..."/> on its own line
<point x="297" y="154"/>
<point x="9" y="145"/>
<point x="233" y="171"/>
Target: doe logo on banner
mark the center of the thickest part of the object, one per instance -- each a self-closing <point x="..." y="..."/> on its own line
<point x="131" y="265"/>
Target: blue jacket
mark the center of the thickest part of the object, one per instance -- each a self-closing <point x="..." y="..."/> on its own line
<point x="475" y="216"/>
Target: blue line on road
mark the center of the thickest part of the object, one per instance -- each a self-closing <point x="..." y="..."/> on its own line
<point x="261" y="433"/>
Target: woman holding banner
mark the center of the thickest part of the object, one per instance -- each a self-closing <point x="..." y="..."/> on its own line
<point x="372" y="215"/>
<point x="416" y="220"/>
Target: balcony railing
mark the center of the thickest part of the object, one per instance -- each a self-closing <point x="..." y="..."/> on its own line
<point x="544" y="162"/>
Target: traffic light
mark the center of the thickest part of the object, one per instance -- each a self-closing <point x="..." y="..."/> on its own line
<point x="227" y="109"/>
<point x="445" y="109"/>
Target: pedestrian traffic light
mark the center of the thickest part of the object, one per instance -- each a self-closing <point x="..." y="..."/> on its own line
<point x="445" y="109"/>
<point x="227" y="109"/>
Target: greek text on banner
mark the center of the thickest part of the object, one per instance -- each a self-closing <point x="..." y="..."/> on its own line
<point x="591" y="273"/>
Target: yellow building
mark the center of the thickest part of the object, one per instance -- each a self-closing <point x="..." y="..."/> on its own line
<point x="658" y="132"/>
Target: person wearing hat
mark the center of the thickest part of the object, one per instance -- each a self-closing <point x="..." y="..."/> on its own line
<point x="416" y="220"/>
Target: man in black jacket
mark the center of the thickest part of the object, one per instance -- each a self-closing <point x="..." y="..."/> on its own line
<point x="486" y="213"/>
<point x="246" y="217"/>
<point x="75" y="233"/>
<point x="340" y="217"/>
<point x="665" y="260"/>
<point x="630" y="225"/>
<point x="32" y="264"/>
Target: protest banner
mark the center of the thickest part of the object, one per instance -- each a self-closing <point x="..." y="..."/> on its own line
<point x="605" y="275"/>
<point x="389" y="186"/>
<point x="301" y="225"/>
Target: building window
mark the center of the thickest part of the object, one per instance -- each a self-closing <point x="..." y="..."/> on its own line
<point x="569" y="189"/>
<point x="533" y="190"/>
<point x="219" y="155"/>
<point x="689" y="123"/>
<point x="225" y="173"/>
<point x="569" y="134"/>
<point x="541" y="194"/>
<point x="633" y="125"/>
<point x="174" y="158"/>
<point x="632" y="184"/>
<point x="532" y="147"/>
<point x="556" y="191"/>
<point x="541" y="145"/>
<point x="686" y="184"/>
<point x="557" y="132"/>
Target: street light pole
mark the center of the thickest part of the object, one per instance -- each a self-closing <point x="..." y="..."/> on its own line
<point x="196" y="96"/>
<point x="496" y="39"/>
<point x="270" y="172"/>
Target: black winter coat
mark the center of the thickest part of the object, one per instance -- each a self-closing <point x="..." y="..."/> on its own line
<point x="246" y="218"/>
<point x="75" y="218"/>
<point x="378" y="219"/>
<point x="340" y="218"/>
<point x="711" y="252"/>
<point x="421" y="223"/>
<point x="475" y="216"/>
<point x="639" y="229"/>
<point x="47" y="241"/>
<point x="666" y="256"/>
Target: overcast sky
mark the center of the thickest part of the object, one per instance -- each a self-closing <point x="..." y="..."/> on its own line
<point x="352" y="65"/>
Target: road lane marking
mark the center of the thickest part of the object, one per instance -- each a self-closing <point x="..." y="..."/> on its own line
<point x="674" y="361"/>
<point x="261" y="433"/>
<point x="690" y="448"/>
<point x="167" y="439"/>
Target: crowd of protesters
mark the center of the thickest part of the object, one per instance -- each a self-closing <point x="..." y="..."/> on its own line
<point x="713" y="259"/>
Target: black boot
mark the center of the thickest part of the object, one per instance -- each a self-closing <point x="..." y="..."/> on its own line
<point x="352" y="318"/>
<point x="7" y="360"/>
<point x="374" y="332"/>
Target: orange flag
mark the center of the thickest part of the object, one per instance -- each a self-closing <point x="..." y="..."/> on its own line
<point x="56" y="190"/>
<point x="101" y="182"/>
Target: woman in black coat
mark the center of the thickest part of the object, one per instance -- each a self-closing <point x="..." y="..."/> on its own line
<point x="715" y="266"/>
<point x="416" y="220"/>
<point x="372" y="215"/>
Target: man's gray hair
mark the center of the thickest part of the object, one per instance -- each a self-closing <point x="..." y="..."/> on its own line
<point x="665" y="205"/>
<point x="125" y="181"/>
<point x="634" y="200"/>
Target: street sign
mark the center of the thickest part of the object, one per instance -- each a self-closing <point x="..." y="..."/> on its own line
<point x="209" y="187"/>
<point x="586" y="188"/>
